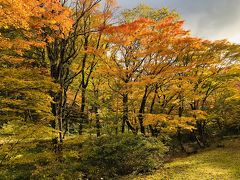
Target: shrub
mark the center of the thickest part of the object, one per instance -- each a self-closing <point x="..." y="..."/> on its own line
<point x="110" y="156"/>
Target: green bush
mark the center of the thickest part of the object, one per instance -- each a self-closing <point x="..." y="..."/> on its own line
<point x="110" y="156"/>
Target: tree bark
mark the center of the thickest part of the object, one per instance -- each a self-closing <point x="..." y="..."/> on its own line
<point x="98" y="125"/>
<point x="142" y="111"/>
<point x="125" y="115"/>
<point x="125" y="111"/>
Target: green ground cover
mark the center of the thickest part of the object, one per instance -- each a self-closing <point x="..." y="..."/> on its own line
<point x="214" y="163"/>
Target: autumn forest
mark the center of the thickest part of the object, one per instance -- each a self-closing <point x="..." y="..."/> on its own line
<point x="88" y="91"/>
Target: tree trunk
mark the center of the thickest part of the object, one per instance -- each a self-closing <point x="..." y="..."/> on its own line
<point x="201" y="131"/>
<point x="60" y="116"/>
<point x="125" y="115"/>
<point x="200" y="144"/>
<point x="125" y="111"/>
<point x="153" y="131"/>
<point x="82" y="109"/>
<point x="141" y="112"/>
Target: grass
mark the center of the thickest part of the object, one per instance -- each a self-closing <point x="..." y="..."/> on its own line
<point x="215" y="163"/>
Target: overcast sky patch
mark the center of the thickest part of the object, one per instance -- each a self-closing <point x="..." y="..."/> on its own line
<point x="211" y="19"/>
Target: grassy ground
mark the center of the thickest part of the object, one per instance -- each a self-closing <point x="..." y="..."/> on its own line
<point x="215" y="163"/>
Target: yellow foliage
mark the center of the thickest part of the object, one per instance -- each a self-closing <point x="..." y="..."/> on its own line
<point x="154" y="119"/>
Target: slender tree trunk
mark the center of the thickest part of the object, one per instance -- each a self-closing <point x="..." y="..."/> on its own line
<point x="82" y="110"/>
<point x="153" y="102"/>
<point x="116" y="129"/>
<point x="201" y="131"/>
<point x="179" y="136"/>
<point x="142" y="111"/>
<point x="125" y="115"/>
<point x="83" y="83"/>
<point x="95" y="108"/>
<point x="125" y="111"/>
<point x="66" y="131"/>
<point x="153" y="131"/>
<point x="98" y="125"/>
<point x="195" y="106"/>
<point x="57" y="110"/>
<point x="60" y="116"/>
<point x="83" y="100"/>
<point x="57" y="106"/>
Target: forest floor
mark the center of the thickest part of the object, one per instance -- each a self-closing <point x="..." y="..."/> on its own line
<point x="218" y="163"/>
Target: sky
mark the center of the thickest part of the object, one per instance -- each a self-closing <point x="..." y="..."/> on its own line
<point x="208" y="19"/>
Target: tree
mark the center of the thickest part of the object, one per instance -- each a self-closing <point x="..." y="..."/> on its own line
<point x="145" y="11"/>
<point x="26" y="86"/>
<point x="139" y="52"/>
<point x="22" y="91"/>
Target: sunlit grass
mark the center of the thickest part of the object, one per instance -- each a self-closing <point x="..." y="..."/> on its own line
<point x="216" y="163"/>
